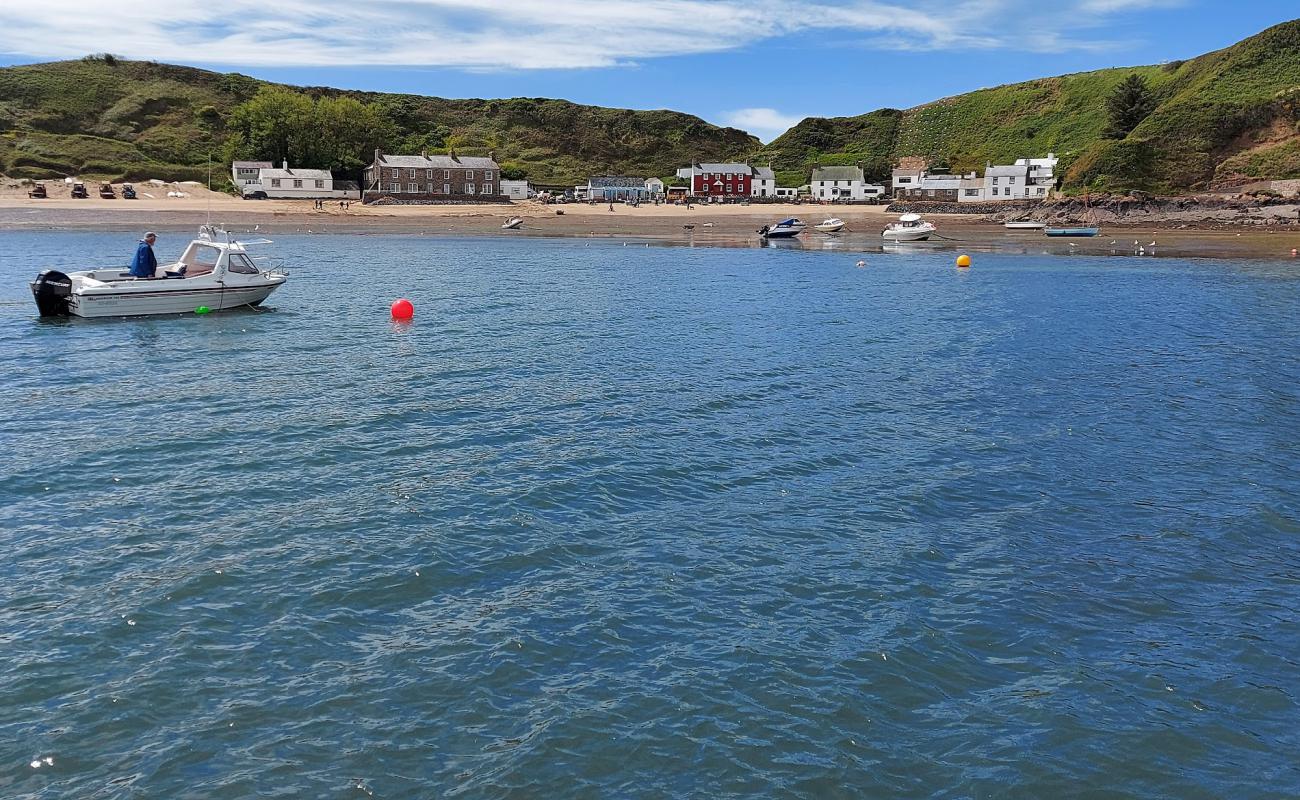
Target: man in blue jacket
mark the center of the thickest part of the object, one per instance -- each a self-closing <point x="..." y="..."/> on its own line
<point x="145" y="263"/>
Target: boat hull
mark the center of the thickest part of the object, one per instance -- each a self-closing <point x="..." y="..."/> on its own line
<point x="788" y="233"/>
<point x="906" y="236"/>
<point x="137" y="303"/>
<point x="1025" y="226"/>
<point x="1072" y="232"/>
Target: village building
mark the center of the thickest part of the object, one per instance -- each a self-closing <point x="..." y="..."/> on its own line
<point x="719" y="181"/>
<point x="844" y="184"/>
<point x="763" y="182"/>
<point x="243" y="173"/>
<point x="609" y="188"/>
<point x="516" y="190"/>
<point x="433" y="179"/>
<point x="1027" y="179"/>
<point x="283" y="183"/>
<point x="912" y="184"/>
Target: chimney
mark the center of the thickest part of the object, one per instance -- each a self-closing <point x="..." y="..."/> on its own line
<point x="376" y="155"/>
<point x="424" y="154"/>
<point x="284" y="165"/>
<point x="492" y="154"/>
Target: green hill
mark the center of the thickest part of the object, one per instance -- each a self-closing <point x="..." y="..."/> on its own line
<point x="103" y="117"/>
<point x="1228" y="115"/>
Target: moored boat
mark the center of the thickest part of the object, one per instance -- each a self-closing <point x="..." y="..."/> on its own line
<point x="213" y="273"/>
<point x="909" y="228"/>
<point x="1024" y="225"/>
<point x="1072" y="232"/>
<point x="512" y="223"/>
<point x="832" y="225"/>
<point x="785" y="229"/>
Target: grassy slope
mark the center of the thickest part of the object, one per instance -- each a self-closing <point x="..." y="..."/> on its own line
<point x="1210" y="109"/>
<point x="139" y="119"/>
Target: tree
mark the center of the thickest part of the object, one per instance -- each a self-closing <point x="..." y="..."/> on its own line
<point x="1127" y="106"/>
<point x="334" y="133"/>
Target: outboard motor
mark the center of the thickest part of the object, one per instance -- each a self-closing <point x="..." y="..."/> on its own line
<point x="51" y="290"/>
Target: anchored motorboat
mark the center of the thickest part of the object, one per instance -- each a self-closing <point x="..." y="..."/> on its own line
<point x="215" y="272"/>
<point x="832" y="225"/>
<point x="512" y="223"/>
<point x="785" y="229"/>
<point x="909" y="228"/>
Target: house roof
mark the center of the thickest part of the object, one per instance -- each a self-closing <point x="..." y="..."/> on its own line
<point x="251" y="164"/>
<point x="1004" y="171"/>
<point x="837" y="174"/>
<point x="302" y="174"/>
<point x="725" y="168"/>
<point x="437" y="162"/>
<point x="616" y="182"/>
<point x="764" y="173"/>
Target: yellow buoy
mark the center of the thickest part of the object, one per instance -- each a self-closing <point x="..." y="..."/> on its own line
<point x="963" y="261"/>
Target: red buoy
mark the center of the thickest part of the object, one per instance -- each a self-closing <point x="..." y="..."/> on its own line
<point x="402" y="309"/>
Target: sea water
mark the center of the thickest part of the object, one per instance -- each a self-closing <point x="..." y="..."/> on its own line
<point x="625" y="521"/>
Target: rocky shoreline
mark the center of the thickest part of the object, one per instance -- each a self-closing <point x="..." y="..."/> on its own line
<point x="1138" y="209"/>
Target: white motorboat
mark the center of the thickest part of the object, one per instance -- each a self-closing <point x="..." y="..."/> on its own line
<point x="785" y="229"/>
<point x="909" y="228"/>
<point x="1024" y="225"/>
<point x="832" y="225"/>
<point x="512" y="223"/>
<point x="215" y="272"/>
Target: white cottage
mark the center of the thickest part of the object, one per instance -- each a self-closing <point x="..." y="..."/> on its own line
<point x="763" y="183"/>
<point x="843" y="183"/>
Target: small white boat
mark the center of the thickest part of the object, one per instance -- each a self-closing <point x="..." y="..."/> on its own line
<point x="909" y="228"/>
<point x="512" y="223"/>
<point x="211" y="273"/>
<point x="832" y="225"/>
<point x="1024" y="226"/>
<point x="785" y="229"/>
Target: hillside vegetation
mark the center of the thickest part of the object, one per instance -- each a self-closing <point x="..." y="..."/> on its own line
<point x="1225" y="116"/>
<point x="102" y="117"/>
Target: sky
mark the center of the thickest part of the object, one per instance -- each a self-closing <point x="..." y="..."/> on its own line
<point x="759" y="65"/>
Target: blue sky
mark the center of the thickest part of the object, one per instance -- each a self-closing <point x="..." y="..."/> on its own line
<point x="757" y="64"/>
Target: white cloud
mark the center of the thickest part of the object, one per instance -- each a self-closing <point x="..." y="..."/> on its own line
<point x="765" y="123"/>
<point x="518" y="34"/>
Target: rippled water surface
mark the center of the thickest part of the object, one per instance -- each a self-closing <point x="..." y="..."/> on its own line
<point x="616" y="521"/>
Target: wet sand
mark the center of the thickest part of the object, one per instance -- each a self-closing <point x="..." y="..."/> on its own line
<point x="719" y="226"/>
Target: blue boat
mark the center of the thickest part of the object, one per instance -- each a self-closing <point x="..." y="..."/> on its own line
<point x="785" y="229"/>
<point x="1077" y="232"/>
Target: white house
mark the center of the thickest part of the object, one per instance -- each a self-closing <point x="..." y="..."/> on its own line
<point x="763" y="183"/>
<point x="655" y="187"/>
<point x="515" y="190"/>
<point x="246" y="172"/>
<point x="298" y="184"/>
<point x="785" y="192"/>
<point x="843" y="183"/>
<point x="1027" y="179"/>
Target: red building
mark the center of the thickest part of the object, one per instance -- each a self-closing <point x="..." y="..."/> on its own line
<point x="725" y="181"/>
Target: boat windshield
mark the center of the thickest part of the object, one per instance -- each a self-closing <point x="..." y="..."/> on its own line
<point x="200" y="259"/>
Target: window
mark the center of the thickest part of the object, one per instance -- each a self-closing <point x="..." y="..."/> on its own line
<point x="929" y="192"/>
<point x="320" y="184"/>
<point x="428" y="188"/>
<point x="428" y="173"/>
<point x="446" y="174"/>
<point x="469" y="188"/>
<point x="995" y="181"/>
<point x="413" y="188"/>
<point x="1012" y="179"/>
<point x="297" y="183"/>
<point x="240" y="264"/>
<point x="446" y="188"/>
<point x="411" y="174"/>
<point x="394" y="187"/>
<point x="469" y="176"/>
<point x="275" y="183"/>
<point x="487" y="174"/>
<point x="487" y="188"/>
<point x="1040" y="191"/>
<point x="972" y="192"/>
<point x="904" y="180"/>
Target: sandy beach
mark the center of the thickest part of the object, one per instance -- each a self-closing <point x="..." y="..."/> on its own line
<point x="702" y="225"/>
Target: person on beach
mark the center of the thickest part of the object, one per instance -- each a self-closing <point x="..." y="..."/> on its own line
<point x="145" y="263"/>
